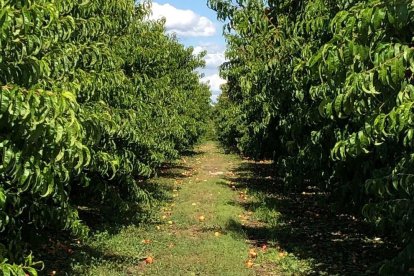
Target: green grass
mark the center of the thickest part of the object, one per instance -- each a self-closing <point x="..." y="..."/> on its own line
<point x="188" y="246"/>
<point x="179" y="242"/>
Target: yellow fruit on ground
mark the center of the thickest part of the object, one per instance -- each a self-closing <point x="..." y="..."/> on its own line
<point x="249" y="263"/>
<point x="201" y="218"/>
<point x="252" y="254"/>
<point x="149" y="260"/>
<point x="282" y="254"/>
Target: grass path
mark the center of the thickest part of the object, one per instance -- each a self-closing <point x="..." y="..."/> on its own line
<point x="215" y="209"/>
<point x="196" y="242"/>
<point x="191" y="237"/>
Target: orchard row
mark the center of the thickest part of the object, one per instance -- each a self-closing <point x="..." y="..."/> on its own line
<point x="326" y="89"/>
<point x="93" y="96"/>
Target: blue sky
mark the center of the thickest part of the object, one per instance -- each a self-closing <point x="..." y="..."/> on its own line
<point x="196" y="25"/>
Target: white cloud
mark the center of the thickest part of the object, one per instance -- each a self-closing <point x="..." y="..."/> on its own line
<point x="215" y="82"/>
<point x="215" y="56"/>
<point x="210" y="47"/>
<point x="215" y="60"/>
<point x="184" y="23"/>
<point x="198" y="49"/>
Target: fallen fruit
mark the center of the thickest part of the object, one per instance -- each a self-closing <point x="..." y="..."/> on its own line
<point x="158" y="227"/>
<point x="282" y="254"/>
<point x="170" y="222"/>
<point x="194" y="204"/>
<point x="146" y="241"/>
<point x="217" y="234"/>
<point x="164" y="217"/>
<point x="149" y="260"/>
<point x="249" y="263"/>
<point x="252" y="253"/>
<point x="201" y="218"/>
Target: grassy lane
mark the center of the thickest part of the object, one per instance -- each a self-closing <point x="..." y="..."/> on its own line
<point x="196" y="243"/>
<point x="220" y="215"/>
<point x="193" y="233"/>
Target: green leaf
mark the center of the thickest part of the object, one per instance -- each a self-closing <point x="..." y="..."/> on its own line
<point x="3" y="198"/>
<point x="31" y="271"/>
<point x="397" y="70"/>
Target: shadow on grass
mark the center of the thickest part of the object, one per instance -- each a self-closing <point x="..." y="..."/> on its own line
<point x="192" y="153"/>
<point x="304" y="225"/>
<point x="61" y="252"/>
<point x="173" y="171"/>
<point x="65" y="256"/>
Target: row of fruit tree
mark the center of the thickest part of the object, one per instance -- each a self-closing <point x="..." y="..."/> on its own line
<point x="326" y="89"/>
<point x="93" y="96"/>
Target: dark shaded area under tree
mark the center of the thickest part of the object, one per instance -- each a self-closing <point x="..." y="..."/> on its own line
<point x="339" y="243"/>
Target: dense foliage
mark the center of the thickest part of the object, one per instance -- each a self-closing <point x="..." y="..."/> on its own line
<point x="92" y="97"/>
<point x="326" y="89"/>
